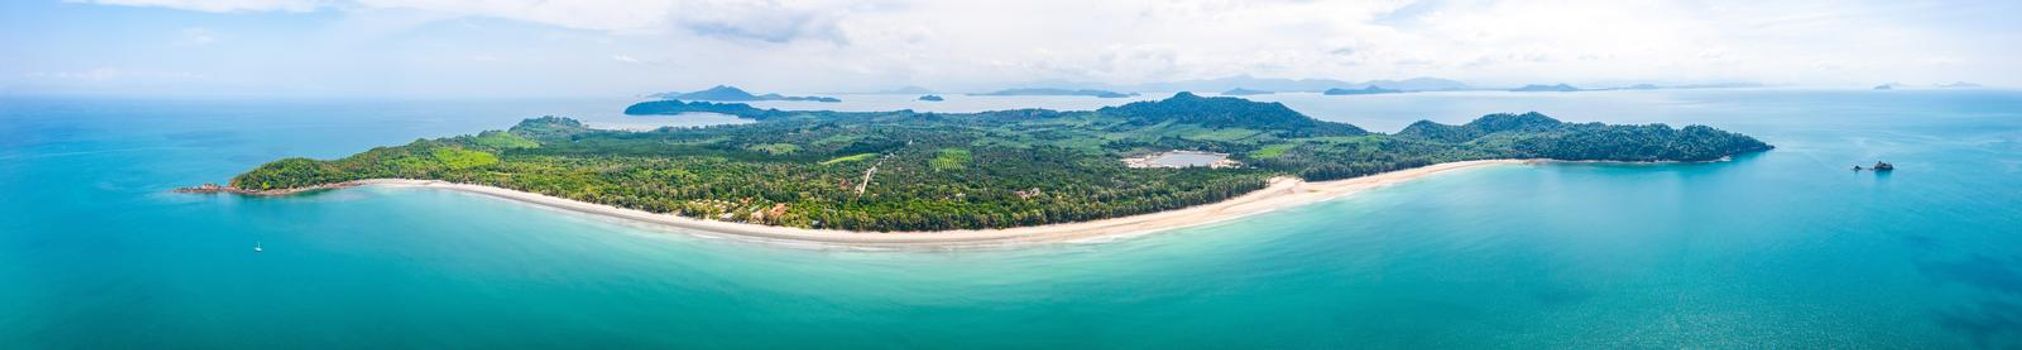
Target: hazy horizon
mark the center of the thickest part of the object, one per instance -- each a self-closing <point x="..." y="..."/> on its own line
<point x="625" y="48"/>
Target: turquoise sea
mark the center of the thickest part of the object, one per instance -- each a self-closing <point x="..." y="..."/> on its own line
<point x="1785" y="249"/>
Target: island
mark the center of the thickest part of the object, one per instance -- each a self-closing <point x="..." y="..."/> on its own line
<point x="1546" y="88"/>
<point x="1370" y="90"/>
<point x="731" y="93"/>
<point x="1244" y="92"/>
<point x="996" y="176"/>
<point x="932" y="98"/>
<point x="1056" y="92"/>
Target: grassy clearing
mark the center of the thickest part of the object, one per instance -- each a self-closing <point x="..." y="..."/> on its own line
<point x="1272" y="151"/>
<point x="775" y="148"/>
<point x="1223" y="135"/>
<point x="950" y="159"/>
<point x="458" y="158"/>
<point x="503" y="140"/>
<point x="849" y="158"/>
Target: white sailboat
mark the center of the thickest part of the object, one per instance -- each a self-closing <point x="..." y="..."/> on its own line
<point x="256" y="247"/>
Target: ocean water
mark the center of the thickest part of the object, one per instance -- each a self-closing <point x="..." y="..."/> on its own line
<point x="1785" y="249"/>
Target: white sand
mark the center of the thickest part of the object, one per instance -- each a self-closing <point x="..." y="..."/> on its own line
<point x="1282" y="192"/>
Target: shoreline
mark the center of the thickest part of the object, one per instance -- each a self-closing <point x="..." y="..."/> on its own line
<point x="1282" y="192"/>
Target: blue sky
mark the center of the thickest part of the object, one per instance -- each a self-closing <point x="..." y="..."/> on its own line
<point x="628" y="47"/>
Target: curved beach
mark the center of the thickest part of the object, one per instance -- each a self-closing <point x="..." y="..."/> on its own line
<point x="1282" y="192"/>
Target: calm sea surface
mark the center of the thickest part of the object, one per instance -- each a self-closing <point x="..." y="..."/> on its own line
<point x="1786" y="249"/>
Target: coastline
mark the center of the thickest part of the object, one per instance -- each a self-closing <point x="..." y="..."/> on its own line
<point x="1282" y="192"/>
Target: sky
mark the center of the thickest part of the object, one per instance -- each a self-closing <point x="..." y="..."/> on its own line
<point x="632" y="47"/>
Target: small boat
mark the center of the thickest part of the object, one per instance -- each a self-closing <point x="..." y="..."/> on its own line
<point x="256" y="247"/>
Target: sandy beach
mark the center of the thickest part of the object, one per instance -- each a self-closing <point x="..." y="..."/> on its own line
<point x="1282" y="192"/>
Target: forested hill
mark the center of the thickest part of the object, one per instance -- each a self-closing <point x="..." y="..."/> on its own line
<point x="678" y="107"/>
<point x="1228" y="112"/>
<point x="908" y="171"/>
<point x="1534" y="135"/>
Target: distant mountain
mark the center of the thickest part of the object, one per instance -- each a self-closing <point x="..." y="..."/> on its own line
<point x="1960" y="85"/>
<point x="1889" y="86"/>
<point x="1546" y="88"/>
<point x="1647" y="86"/>
<point x="1419" y="84"/>
<point x="1296" y="85"/>
<point x="906" y="90"/>
<point x="1245" y="92"/>
<point x="1240" y="82"/>
<point x="1057" y="92"/>
<point x="1371" y="90"/>
<point x="931" y="98"/>
<point x="730" y="93"/>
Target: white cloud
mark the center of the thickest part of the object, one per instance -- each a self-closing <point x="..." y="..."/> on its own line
<point x="195" y="36"/>
<point x="218" y="5"/>
<point x="605" y="15"/>
<point x="850" y="45"/>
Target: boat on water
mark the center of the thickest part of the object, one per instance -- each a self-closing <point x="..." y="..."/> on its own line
<point x="256" y="247"/>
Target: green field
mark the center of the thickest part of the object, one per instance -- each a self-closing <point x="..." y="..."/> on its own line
<point x="850" y="158"/>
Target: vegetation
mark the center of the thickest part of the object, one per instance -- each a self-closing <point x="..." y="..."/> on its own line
<point x="949" y="159"/>
<point x="902" y="170"/>
<point x="850" y="158"/>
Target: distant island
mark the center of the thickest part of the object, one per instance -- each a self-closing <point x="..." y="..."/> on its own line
<point x="797" y="174"/>
<point x="931" y="98"/>
<point x="734" y="94"/>
<point x="1960" y="85"/>
<point x="1245" y="92"/>
<point x="1056" y="92"/>
<point x="1294" y="85"/>
<point x="1371" y="90"/>
<point x="1546" y="88"/>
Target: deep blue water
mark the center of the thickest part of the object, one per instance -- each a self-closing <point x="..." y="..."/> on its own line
<point x="1785" y="249"/>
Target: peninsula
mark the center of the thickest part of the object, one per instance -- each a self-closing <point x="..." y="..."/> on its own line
<point x="1000" y="175"/>
<point x="734" y="94"/>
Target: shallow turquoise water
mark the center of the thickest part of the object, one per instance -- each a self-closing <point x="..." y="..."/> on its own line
<point x="1783" y="249"/>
